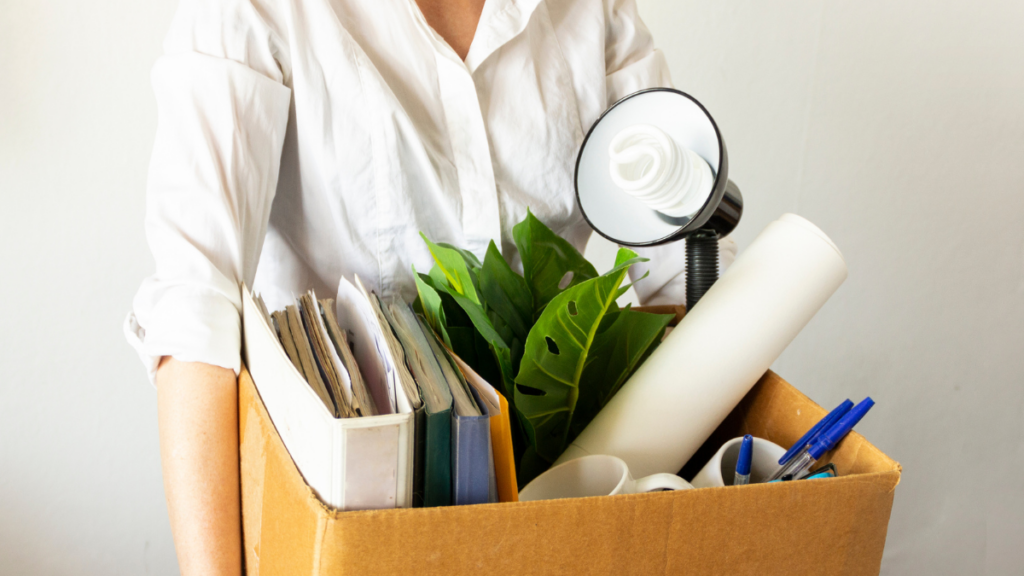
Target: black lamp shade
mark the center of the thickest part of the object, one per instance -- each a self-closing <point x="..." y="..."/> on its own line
<point x="626" y="220"/>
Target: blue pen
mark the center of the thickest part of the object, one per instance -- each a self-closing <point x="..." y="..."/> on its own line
<point x="742" y="476"/>
<point x="826" y="441"/>
<point x="800" y="446"/>
<point x="812" y="435"/>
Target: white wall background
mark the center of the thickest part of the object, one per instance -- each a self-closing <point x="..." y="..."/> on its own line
<point x="898" y="127"/>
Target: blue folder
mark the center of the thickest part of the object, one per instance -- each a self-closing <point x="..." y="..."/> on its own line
<point x="472" y="459"/>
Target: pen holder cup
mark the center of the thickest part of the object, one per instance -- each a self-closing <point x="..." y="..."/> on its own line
<point x="719" y="471"/>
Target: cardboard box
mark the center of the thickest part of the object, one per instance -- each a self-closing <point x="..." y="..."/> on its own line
<point x="833" y="526"/>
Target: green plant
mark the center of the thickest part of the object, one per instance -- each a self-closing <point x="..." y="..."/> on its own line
<point x="553" y="341"/>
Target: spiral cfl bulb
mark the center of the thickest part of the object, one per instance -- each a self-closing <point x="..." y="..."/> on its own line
<point x="650" y="166"/>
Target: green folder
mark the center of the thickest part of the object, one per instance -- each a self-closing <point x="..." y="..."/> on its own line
<point x="437" y="459"/>
<point x="432" y="462"/>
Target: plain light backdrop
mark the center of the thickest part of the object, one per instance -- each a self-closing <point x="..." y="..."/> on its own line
<point x="897" y="127"/>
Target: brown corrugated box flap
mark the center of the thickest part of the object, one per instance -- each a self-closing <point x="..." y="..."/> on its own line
<point x="835" y="526"/>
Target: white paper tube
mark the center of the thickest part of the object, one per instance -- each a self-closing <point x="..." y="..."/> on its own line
<point x="687" y="387"/>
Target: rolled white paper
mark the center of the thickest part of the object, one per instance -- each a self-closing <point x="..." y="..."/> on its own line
<point x="676" y="399"/>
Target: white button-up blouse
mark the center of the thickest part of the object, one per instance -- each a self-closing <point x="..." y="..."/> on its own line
<point x="300" y="141"/>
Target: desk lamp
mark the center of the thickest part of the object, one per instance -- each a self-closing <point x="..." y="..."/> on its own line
<point x="653" y="169"/>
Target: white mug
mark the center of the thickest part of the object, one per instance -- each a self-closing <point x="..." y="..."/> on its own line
<point x="719" y="471"/>
<point x="595" y="475"/>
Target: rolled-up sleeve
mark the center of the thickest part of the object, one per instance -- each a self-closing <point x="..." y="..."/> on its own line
<point x="633" y="63"/>
<point x="223" y="114"/>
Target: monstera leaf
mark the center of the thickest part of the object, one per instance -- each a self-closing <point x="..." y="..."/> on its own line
<point x="547" y="260"/>
<point x="566" y="339"/>
<point x="617" y="352"/>
<point x="552" y="341"/>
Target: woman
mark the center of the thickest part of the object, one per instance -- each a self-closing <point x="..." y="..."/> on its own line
<point x="303" y="140"/>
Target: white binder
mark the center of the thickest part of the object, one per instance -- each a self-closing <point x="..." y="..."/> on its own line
<point x="351" y="463"/>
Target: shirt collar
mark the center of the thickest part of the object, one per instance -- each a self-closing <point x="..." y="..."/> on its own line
<point x="500" y="22"/>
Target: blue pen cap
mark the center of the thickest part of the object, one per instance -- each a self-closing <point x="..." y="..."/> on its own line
<point x="812" y="435"/>
<point x="746" y="455"/>
<point x="840" y="429"/>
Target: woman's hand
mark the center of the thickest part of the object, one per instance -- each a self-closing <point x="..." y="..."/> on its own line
<point x="198" y="407"/>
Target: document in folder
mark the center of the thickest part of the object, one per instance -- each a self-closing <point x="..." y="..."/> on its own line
<point x="354" y="463"/>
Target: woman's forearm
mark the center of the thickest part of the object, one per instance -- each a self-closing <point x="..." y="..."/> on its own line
<point x="198" y="408"/>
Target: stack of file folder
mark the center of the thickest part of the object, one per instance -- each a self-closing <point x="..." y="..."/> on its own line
<point x="374" y="410"/>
